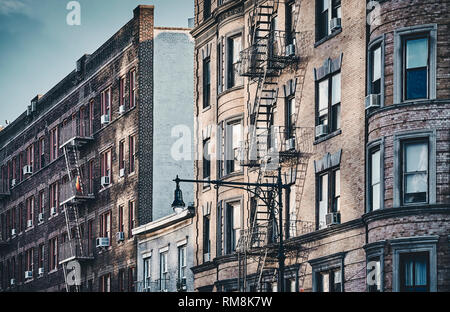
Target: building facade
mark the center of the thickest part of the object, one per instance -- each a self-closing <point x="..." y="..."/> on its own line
<point x="347" y="101"/>
<point x="165" y="253"/>
<point x="78" y="168"/>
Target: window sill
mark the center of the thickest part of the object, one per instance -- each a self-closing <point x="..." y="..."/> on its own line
<point x="207" y="108"/>
<point x="52" y="271"/>
<point x="328" y="37"/>
<point x="206" y="188"/>
<point x="53" y="216"/>
<point x="328" y="136"/>
<point x="232" y="175"/>
<point x="29" y="229"/>
<point x="105" y="188"/>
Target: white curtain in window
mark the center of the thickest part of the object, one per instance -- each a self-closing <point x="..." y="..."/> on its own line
<point x="416" y="162"/>
<point x="421" y="272"/>
<point x="336" y="89"/>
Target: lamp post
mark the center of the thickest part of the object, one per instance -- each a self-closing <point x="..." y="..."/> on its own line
<point x="279" y="186"/>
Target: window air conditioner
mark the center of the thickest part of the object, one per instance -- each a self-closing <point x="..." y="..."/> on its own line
<point x="28" y="274"/>
<point x="321" y="130"/>
<point x="41" y="217"/>
<point x="13" y="182"/>
<point x="104" y="119"/>
<point x="121" y="109"/>
<point x="122" y="172"/>
<point x="102" y="242"/>
<point x="105" y="181"/>
<point x="290" y="50"/>
<point x="13" y="232"/>
<point x="372" y="101"/>
<point x="41" y="271"/>
<point x="120" y="236"/>
<point x="52" y="211"/>
<point x="290" y="144"/>
<point x="29" y="223"/>
<point x="13" y="282"/>
<point x="333" y="218"/>
<point x="335" y="24"/>
<point x="27" y="169"/>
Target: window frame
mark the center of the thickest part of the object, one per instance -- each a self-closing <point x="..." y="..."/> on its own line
<point x="399" y="51"/>
<point x="401" y="137"/>
<point x="232" y="234"/>
<point x="331" y="190"/>
<point x="233" y="80"/>
<point x="106" y="106"/>
<point x="373" y="45"/>
<point x="133" y="88"/>
<point x="330" y="120"/>
<point x="228" y="143"/>
<point x="329" y="263"/>
<point x="370" y="148"/>
<point x="206" y="77"/>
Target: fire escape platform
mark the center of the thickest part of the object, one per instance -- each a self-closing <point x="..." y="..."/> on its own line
<point x="77" y="199"/>
<point x="78" y="141"/>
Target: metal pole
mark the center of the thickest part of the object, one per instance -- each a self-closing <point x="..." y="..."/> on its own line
<point x="281" y="256"/>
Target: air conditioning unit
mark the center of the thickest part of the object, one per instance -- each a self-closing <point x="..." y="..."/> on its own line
<point x="13" y="232"/>
<point x="41" y="271"/>
<point x="28" y="274"/>
<point x="102" y="242"/>
<point x="121" y="109"/>
<point x="333" y="218"/>
<point x="29" y="223"/>
<point x="104" y="119"/>
<point x="52" y="211"/>
<point x="372" y="101"/>
<point x="41" y="217"/>
<point x="105" y="181"/>
<point x="290" y="144"/>
<point x="13" y="182"/>
<point x="27" y="169"/>
<point x="28" y="110"/>
<point x="335" y="24"/>
<point x="290" y="50"/>
<point x="120" y="236"/>
<point x="321" y="130"/>
<point x="122" y="172"/>
<point x="12" y="282"/>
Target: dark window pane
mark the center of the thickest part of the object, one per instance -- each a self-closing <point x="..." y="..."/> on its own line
<point x="416" y="84"/>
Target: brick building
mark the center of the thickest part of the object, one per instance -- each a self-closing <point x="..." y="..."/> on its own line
<point x="77" y="169"/>
<point x="350" y="102"/>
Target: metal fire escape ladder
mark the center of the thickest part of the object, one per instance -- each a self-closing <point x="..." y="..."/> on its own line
<point x="71" y="210"/>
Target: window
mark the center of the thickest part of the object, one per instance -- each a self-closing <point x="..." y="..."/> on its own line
<point x="106" y="103"/>
<point x="415" y="63"/>
<point x="329" y="281"/>
<point x="132" y="143"/>
<point x="133" y="87"/>
<point x="106" y="164"/>
<point x="21" y="218"/>
<point x="415" y="172"/>
<point x="233" y="140"/>
<point x="147" y="272"/>
<point x="206" y="9"/>
<point x="220" y="58"/>
<point x="206" y="161"/>
<point x="329" y="191"/>
<point x="30" y="211"/>
<point x="105" y="225"/>
<point x="41" y="256"/>
<point x="29" y="260"/>
<point x="41" y="153"/>
<point x="164" y="273"/>
<point x="121" y="280"/>
<point x="53" y="143"/>
<point x="21" y="167"/>
<point x="290" y="117"/>
<point x="414" y="272"/>
<point x="326" y="10"/>
<point x="131" y="279"/>
<point x="122" y="91"/>
<point x="206" y="238"/>
<point x="90" y="235"/>
<point x="91" y="176"/>
<point x="54" y="195"/>
<point x="182" y="267"/>
<point x="375" y="69"/>
<point x="105" y="283"/>
<point x="53" y="254"/>
<point x="30" y="156"/>
<point x="82" y="127"/>
<point x="121" y="224"/>
<point x="234" y="48"/>
<point x="121" y="155"/>
<point x="415" y="68"/>
<point x="232" y="226"/>
<point x="375" y="187"/>
<point x="206" y="82"/>
<point x="91" y="117"/>
<point x="290" y="22"/>
<point x="329" y="102"/>
<point x="131" y="218"/>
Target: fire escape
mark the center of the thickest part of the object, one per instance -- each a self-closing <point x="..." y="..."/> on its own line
<point x="271" y="150"/>
<point x="74" y="194"/>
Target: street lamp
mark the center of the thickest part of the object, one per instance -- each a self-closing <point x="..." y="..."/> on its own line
<point x="278" y="185"/>
<point x="178" y="203"/>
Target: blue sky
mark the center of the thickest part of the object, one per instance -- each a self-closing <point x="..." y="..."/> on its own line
<point x="38" y="48"/>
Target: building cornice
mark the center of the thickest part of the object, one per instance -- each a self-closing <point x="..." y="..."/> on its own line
<point x="405" y="211"/>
